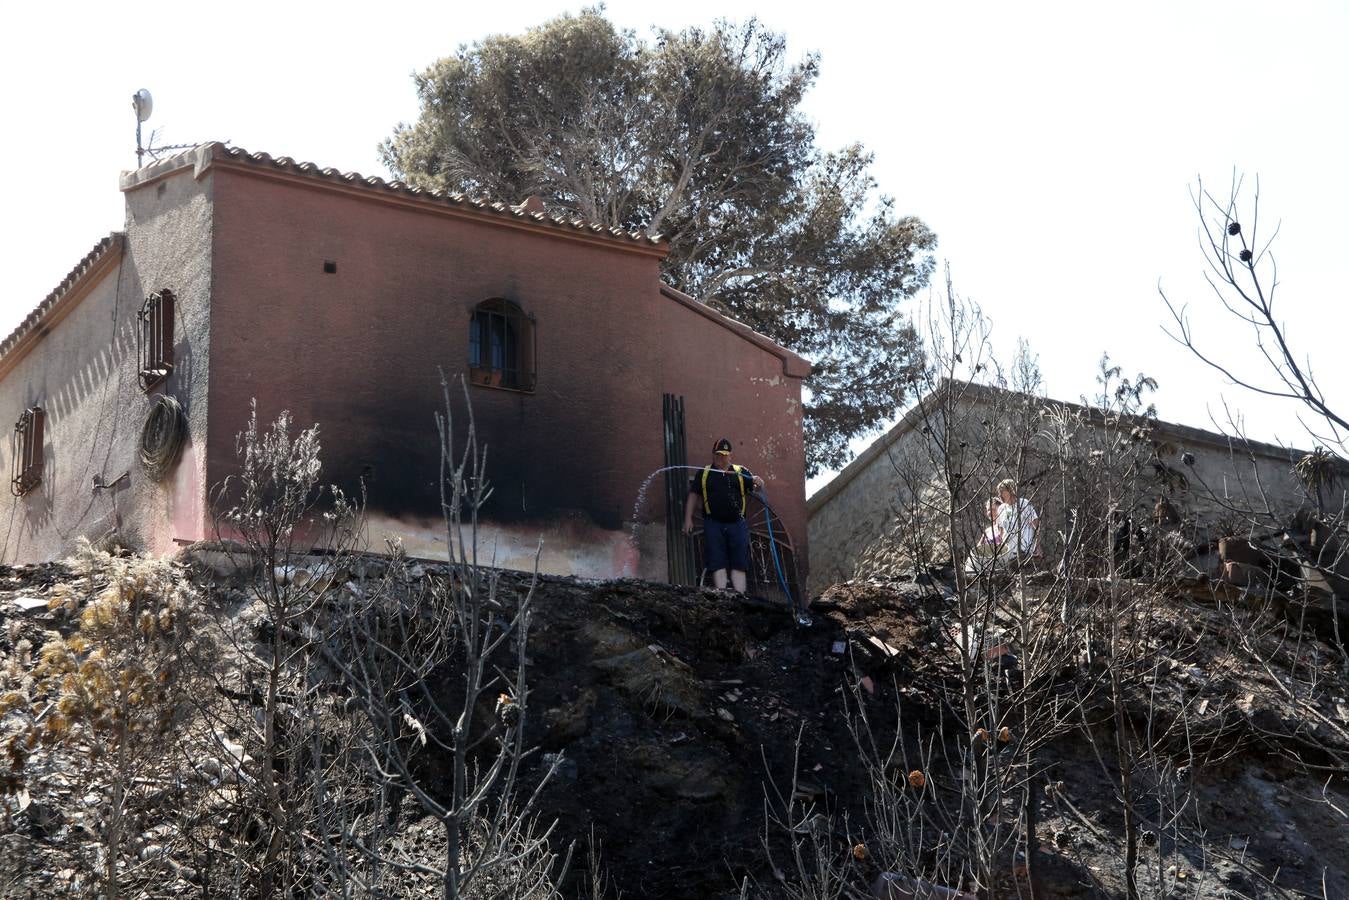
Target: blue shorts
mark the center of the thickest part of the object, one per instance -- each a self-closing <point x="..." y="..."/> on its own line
<point x="726" y="545"/>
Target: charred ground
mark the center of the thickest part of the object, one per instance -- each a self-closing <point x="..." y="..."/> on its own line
<point x="679" y="715"/>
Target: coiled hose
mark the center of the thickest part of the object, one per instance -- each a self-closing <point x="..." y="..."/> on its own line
<point x="162" y="437"/>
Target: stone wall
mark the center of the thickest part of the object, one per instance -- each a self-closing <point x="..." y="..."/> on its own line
<point x="888" y="508"/>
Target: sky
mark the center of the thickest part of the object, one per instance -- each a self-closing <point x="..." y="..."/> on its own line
<point x="1052" y="147"/>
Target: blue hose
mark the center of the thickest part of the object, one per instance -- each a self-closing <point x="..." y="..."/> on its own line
<point x="773" y="551"/>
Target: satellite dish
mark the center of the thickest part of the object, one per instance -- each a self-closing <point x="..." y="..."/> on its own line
<point x="143" y="103"/>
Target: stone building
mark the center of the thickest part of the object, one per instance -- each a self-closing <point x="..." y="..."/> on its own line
<point x="341" y="298"/>
<point x="884" y="511"/>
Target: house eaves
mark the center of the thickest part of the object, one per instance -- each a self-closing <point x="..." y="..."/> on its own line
<point x="1175" y="431"/>
<point x="526" y="216"/>
<point x="65" y="297"/>
<point x="1172" y="431"/>
<point x="881" y="445"/>
<point x="793" y="365"/>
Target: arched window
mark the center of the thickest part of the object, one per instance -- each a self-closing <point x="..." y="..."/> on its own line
<point x="501" y="346"/>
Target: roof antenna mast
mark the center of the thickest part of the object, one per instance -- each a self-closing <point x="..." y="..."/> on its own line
<point x="143" y="104"/>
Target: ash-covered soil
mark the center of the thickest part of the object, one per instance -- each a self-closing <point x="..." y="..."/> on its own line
<point x="672" y="715"/>
<point x="671" y="708"/>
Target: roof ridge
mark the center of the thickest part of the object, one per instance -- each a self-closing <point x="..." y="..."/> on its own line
<point x="1181" y="429"/>
<point x="522" y="211"/>
<point x="910" y="417"/>
<point x="33" y="318"/>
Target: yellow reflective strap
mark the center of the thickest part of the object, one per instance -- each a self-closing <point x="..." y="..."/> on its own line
<point x="707" y="506"/>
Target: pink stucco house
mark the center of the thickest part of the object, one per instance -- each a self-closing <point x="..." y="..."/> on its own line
<point x="241" y="276"/>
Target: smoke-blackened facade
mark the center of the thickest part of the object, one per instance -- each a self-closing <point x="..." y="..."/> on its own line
<point x="343" y="299"/>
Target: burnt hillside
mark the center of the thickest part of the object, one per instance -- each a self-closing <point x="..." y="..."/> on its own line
<point x="676" y="720"/>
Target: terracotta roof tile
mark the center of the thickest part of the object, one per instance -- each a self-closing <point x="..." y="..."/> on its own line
<point x="521" y="211"/>
<point x="286" y="163"/>
<point x="31" y="321"/>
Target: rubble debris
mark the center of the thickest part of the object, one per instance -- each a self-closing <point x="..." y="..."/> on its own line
<point x="223" y="561"/>
<point x="880" y="646"/>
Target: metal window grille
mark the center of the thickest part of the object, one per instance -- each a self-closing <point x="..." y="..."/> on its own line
<point x="26" y="472"/>
<point x="154" y="339"/>
<point x="501" y="346"/>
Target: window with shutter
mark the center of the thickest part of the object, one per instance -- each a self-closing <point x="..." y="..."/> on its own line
<point x="27" y="451"/>
<point x="154" y="339"/>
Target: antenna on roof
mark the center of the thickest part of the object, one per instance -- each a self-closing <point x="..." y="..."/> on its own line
<point x="144" y="104"/>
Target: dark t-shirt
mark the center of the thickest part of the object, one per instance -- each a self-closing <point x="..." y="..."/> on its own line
<point x="723" y="494"/>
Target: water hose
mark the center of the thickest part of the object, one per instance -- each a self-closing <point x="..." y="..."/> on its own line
<point x="162" y="437"/>
<point x="799" y="614"/>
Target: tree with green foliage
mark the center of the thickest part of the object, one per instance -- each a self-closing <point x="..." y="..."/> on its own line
<point x="697" y="136"/>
